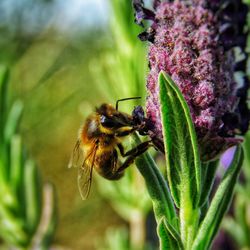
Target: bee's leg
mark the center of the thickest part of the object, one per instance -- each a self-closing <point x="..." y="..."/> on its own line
<point x="126" y="132"/>
<point x="115" y="162"/>
<point x="132" y="154"/>
<point x="136" y="149"/>
<point x="158" y="144"/>
<point x="121" y="149"/>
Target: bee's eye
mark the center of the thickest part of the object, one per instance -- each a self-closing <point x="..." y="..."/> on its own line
<point x="107" y="122"/>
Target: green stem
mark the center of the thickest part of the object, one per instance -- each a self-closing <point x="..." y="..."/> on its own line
<point x="188" y="216"/>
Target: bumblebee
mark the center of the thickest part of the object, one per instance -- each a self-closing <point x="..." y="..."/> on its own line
<point x="100" y="140"/>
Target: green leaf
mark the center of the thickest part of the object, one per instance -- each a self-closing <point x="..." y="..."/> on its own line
<point x="13" y="120"/>
<point x="219" y="204"/>
<point x="16" y="166"/>
<point x="208" y="177"/>
<point x="246" y="146"/>
<point x="157" y="188"/>
<point x="4" y="77"/>
<point x="181" y="148"/>
<point x="169" y="237"/>
<point x="32" y="189"/>
<point x="11" y="224"/>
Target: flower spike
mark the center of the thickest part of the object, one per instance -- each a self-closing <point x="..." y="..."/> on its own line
<point x="194" y="42"/>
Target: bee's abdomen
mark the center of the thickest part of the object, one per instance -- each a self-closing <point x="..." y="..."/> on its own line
<point x="107" y="164"/>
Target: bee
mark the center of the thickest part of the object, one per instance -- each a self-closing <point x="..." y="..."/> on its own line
<point x="100" y="140"/>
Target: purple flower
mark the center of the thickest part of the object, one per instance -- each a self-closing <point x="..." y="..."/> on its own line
<point x="227" y="157"/>
<point x="193" y="41"/>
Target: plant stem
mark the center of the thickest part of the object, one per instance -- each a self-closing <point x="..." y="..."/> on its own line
<point x="188" y="216"/>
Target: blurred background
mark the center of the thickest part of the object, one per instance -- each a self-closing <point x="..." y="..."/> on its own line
<point x="64" y="58"/>
<point x="60" y="59"/>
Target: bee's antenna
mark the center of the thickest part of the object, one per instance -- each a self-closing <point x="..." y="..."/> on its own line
<point x="125" y="99"/>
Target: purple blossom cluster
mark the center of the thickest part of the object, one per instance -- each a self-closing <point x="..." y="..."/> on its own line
<point x="193" y="41"/>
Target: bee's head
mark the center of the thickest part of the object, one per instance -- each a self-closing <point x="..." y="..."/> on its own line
<point x="140" y="120"/>
<point x="110" y="118"/>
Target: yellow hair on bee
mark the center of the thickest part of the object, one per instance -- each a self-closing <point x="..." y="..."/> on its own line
<point x="107" y="131"/>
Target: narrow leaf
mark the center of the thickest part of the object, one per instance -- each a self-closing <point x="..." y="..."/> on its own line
<point x="173" y="234"/>
<point x="181" y="148"/>
<point x="32" y="195"/>
<point x="219" y="204"/>
<point x="167" y="242"/>
<point x="13" y="120"/>
<point x="208" y="177"/>
<point x="10" y="223"/>
<point x="169" y="237"/>
<point x="157" y="188"/>
<point x="4" y="76"/>
<point x="246" y="147"/>
<point x="16" y="167"/>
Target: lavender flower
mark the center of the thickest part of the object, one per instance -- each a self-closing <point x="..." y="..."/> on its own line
<point x="193" y="41"/>
<point x="227" y="157"/>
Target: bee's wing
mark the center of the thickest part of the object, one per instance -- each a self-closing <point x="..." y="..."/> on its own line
<point x="85" y="173"/>
<point x="76" y="155"/>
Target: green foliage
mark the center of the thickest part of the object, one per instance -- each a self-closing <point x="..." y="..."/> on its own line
<point x="219" y="204"/>
<point x="208" y="170"/>
<point x="21" y="203"/>
<point x="246" y="1"/>
<point x="182" y="155"/>
<point x="238" y="225"/>
<point x="195" y="224"/>
<point x="181" y="147"/>
<point x="169" y="238"/>
<point x="115" y="238"/>
<point x="157" y="189"/>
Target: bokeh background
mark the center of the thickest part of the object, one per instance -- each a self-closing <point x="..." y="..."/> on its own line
<point x="59" y="55"/>
<point x="64" y="59"/>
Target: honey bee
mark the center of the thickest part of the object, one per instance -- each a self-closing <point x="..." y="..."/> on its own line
<point x="100" y="140"/>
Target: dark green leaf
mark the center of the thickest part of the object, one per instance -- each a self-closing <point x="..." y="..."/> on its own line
<point x="4" y="76"/>
<point x="208" y="176"/>
<point x="246" y="147"/>
<point x="219" y="204"/>
<point x="169" y="237"/>
<point x="157" y="188"/>
<point x="181" y="148"/>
